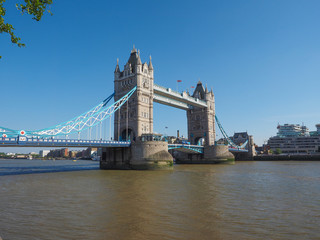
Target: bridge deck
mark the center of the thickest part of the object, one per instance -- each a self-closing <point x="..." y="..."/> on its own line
<point x="199" y="149"/>
<point x="186" y="148"/>
<point x="34" y="142"/>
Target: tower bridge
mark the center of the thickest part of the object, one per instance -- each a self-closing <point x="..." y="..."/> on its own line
<point x="134" y="94"/>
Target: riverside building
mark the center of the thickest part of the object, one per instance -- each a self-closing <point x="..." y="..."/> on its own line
<point x="293" y="138"/>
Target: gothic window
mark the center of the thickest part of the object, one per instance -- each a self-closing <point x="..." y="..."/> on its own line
<point x="145" y="83"/>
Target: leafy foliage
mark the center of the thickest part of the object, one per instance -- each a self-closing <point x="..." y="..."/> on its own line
<point x="278" y="151"/>
<point x="36" y="8"/>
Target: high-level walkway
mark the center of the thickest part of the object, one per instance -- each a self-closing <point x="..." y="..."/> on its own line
<point x="172" y="98"/>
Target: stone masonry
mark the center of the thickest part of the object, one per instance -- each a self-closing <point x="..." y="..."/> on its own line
<point x="201" y="121"/>
<point x="139" y="109"/>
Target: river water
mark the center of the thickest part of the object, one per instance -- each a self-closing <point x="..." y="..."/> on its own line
<point x="76" y="200"/>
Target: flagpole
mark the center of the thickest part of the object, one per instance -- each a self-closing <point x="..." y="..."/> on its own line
<point x="178" y="81"/>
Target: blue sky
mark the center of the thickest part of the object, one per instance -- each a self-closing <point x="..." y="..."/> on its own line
<point x="261" y="59"/>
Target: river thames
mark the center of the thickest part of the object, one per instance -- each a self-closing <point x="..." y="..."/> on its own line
<point x="75" y="200"/>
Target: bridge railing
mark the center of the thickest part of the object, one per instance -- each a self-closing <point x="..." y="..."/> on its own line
<point x="195" y="148"/>
<point x="36" y="141"/>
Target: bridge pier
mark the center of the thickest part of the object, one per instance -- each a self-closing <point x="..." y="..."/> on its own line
<point x="149" y="155"/>
<point x="218" y="154"/>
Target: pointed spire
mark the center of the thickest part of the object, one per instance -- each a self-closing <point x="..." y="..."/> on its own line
<point x="206" y="89"/>
<point x="150" y="64"/>
<point x="134" y="50"/>
<point x="138" y="59"/>
<point x="117" y="67"/>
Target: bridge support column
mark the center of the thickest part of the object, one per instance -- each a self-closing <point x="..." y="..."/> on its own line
<point x="140" y="155"/>
<point x="151" y="155"/>
<point x="217" y="154"/>
<point x="186" y="158"/>
<point x="115" y="158"/>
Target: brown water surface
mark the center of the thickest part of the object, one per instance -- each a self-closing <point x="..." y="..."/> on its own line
<point x="248" y="200"/>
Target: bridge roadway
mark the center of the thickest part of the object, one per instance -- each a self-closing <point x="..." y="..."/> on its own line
<point x="35" y="142"/>
<point x="39" y="142"/>
<point x="199" y="149"/>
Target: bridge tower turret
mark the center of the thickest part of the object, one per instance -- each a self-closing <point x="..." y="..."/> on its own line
<point x="139" y="115"/>
<point x="201" y="121"/>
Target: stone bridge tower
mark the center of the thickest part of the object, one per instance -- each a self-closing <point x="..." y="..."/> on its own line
<point x="137" y="114"/>
<point x="201" y="121"/>
<point x="135" y="118"/>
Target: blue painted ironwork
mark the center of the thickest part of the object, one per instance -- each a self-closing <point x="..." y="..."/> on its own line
<point x="225" y="135"/>
<point x="78" y="124"/>
<point x="231" y="149"/>
<point x="194" y="148"/>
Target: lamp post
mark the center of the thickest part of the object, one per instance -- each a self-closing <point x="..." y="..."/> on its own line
<point x="165" y="133"/>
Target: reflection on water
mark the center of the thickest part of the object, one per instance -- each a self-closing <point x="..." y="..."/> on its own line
<point x="248" y="200"/>
<point x="21" y="166"/>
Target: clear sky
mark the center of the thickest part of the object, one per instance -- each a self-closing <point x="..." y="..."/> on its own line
<point x="261" y="58"/>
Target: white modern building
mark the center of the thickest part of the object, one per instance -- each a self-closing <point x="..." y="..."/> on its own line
<point x="293" y="138"/>
<point x="292" y="130"/>
<point x="43" y="153"/>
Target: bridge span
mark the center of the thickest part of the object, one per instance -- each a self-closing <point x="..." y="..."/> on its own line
<point x="134" y="93"/>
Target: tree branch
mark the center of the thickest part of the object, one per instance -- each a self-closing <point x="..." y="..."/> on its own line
<point x="36" y="8"/>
